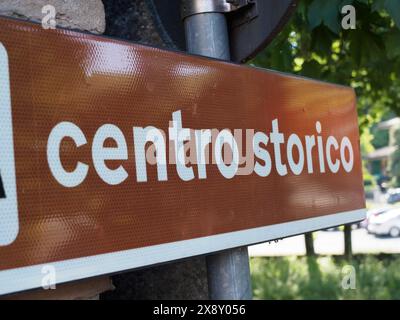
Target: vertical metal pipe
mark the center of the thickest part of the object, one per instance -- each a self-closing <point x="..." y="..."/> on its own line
<point x="207" y="35"/>
<point x="228" y="275"/>
<point x="228" y="271"/>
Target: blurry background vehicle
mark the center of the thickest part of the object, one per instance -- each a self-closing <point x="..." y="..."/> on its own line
<point x="393" y="195"/>
<point x="387" y="223"/>
<point x="373" y="213"/>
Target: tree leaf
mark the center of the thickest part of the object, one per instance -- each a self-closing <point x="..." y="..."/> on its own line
<point x="347" y="2"/>
<point x="356" y="46"/>
<point x="314" y="16"/>
<point x="393" y="8"/>
<point x="378" y="5"/>
<point x="326" y="12"/>
<point x="392" y="44"/>
<point x="311" y="69"/>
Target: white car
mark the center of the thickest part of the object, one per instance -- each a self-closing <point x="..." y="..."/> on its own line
<point x="371" y="213"/>
<point x="387" y="223"/>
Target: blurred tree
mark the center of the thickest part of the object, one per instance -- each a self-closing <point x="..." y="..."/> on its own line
<point x="309" y="241"/>
<point x="366" y="141"/>
<point x="367" y="58"/>
<point x="381" y="137"/>
<point x="394" y="162"/>
<point x="348" y="250"/>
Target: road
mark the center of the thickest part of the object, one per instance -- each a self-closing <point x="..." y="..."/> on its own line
<point x="328" y="243"/>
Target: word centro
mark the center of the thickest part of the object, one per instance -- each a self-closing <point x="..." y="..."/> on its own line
<point x="224" y="145"/>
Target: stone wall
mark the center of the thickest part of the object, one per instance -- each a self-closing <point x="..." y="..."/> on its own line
<point x="87" y="15"/>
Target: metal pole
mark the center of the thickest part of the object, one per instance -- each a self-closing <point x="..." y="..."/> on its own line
<point x="207" y="35"/>
<point x="228" y="271"/>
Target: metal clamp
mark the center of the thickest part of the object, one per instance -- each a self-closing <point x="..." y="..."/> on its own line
<point x="192" y="7"/>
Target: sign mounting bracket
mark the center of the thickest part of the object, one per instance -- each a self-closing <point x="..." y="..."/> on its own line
<point x="247" y="8"/>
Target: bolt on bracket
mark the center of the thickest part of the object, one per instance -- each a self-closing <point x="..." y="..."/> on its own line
<point x="192" y="7"/>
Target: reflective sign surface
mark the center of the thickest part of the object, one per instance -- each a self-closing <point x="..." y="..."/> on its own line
<point x="116" y="156"/>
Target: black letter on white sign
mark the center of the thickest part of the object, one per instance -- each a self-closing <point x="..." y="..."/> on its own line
<point x="2" y="192"/>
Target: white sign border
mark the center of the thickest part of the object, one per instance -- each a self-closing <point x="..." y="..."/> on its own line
<point x="19" y="279"/>
<point x="9" y="224"/>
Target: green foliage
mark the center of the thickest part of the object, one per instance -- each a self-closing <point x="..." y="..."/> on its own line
<point x="313" y="44"/>
<point x="394" y="163"/>
<point x="320" y="12"/>
<point x="393" y="7"/>
<point x="366" y="139"/>
<point x="321" y="278"/>
<point x="370" y="183"/>
<point x="381" y="138"/>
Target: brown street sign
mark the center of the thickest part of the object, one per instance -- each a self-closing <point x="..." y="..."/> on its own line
<point x="116" y="156"/>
